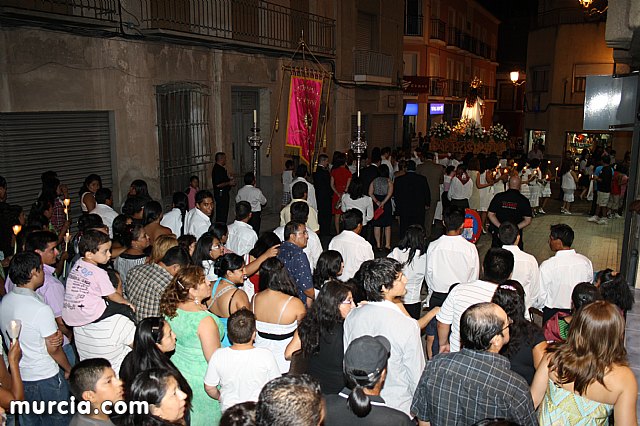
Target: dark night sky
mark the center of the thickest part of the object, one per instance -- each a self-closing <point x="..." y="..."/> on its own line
<point x="515" y="17"/>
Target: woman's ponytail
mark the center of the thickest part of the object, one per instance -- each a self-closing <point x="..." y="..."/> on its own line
<point x="359" y="402"/>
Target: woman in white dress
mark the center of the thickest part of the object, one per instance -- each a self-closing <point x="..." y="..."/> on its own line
<point x="535" y="189"/>
<point x="473" y="106"/>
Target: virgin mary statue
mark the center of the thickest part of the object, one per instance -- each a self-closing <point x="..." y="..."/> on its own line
<point x="473" y="105"/>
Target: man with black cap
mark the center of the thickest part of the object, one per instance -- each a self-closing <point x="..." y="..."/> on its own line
<point x="365" y="369"/>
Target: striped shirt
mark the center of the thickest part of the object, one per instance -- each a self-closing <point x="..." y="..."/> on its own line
<point x="110" y="339"/>
<point x="459" y="299"/>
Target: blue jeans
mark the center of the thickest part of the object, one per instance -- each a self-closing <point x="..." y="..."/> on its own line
<point x="52" y="389"/>
<point x="70" y="353"/>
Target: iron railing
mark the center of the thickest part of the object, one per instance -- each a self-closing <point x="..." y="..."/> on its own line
<point x="89" y="11"/>
<point x="438" y="30"/>
<point x="254" y="22"/>
<point x="366" y="62"/>
<point x="413" y="25"/>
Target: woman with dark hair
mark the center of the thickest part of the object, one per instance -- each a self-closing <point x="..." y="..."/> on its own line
<point x="614" y="288"/>
<point x="526" y="342"/>
<point x="152" y="341"/>
<point x="139" y="188"/>
<point x="174" y="219"/>
<point x="381" y="190"/>
<point x="220" y="230"/>
<point x="277" y="309"/>
<point x="460" y="188"/>
<point x="412" y="254"/>
<point x="118" y="228"/>
<point x="320" y="336"/>
<point x="586" y="378"/>
<point x="136" y="241"/>
<point x="152" y="216"/>
<point x="167" y="402"/>
<point x="226" y="297"/>
<point x="198" y="332"/>
<point x="355" y="198"/>
<point x="208" y="250"/>
<point x="329" y="267"/>
<point x="188" y="242"/>
<point x="87" y="192"/>
<point x="340" y="179"/>
<point x="266" y="247"/>
<point x="40" y="215"/>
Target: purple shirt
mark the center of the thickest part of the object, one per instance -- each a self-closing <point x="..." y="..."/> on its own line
<point x="87" y="284"/>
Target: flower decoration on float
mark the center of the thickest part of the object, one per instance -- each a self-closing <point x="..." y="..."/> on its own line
<point x="440" y="130"/>
<point x="498" y="133"/>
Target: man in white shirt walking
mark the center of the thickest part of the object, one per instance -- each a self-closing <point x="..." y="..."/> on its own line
<point x="497" y="267"/>
<point x="301" y="174"/>
<point x="198" y="219"/>
<point x="253" y="196"/>
<point x="242" y="237"/>
<point x="383" y="282"/>
<point x="354" y="249"/>
<point x="525" y="267"/>
<point x="104" y="208"/>
<point x="562" y="272"/>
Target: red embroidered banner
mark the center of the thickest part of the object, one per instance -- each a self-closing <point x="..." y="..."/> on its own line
<point x="304" y="108"/>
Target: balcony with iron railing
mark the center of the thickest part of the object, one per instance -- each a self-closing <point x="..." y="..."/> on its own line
<point x="413" y="25"/>
<point x="239" y="22"/>
<point x="438" y="30"/>
<point x="372" y="67"/>
<point x="439" y="86"/>
<point x="91" y="13"/>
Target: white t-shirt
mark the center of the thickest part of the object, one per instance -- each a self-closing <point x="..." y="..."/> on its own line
<point x="354" y="251"/>
<point x="109" y="339"/>
<point x="414" y="271"/>
<point x="450" y="260"/>
<point x="253" y="196"/>
<point x="38" y="322"/>
<point x="241" y="374"/>
<point x="242" y="238"/>
<point x="173" y="221"/>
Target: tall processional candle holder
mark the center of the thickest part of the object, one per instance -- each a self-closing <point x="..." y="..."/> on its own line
<point x="359" y="144"/>
<point x="255" y="142"/>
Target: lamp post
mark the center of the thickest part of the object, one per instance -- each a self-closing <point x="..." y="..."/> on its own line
<point x="255" y="142"/>
<point x="514" y="76"/>
<point x="359" y="144"/>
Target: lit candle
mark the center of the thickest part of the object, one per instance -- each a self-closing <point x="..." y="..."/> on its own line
<point x="14" y="329"/>
<point x="255" y="118"/>
<point x="66" y="203"/>
<point x="547" y="177"/>
<point x="515" y="164"/>
<point x="359" y="119"/>
<point x="67" y="238"/>
<point x="66" y="212"/>
<point x="16" y="231"/>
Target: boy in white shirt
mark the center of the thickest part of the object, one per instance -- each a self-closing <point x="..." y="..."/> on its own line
<point x="287" y="180"/>
<point x="253" y="196"/>
<point x="241" y="370"/>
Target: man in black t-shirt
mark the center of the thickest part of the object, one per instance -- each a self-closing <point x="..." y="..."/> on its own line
<point x="509" y="206"/>
<point x="222" y="184"/>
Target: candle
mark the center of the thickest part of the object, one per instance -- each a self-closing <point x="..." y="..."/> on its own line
<point x="66" y="212"/>
<point x="14" y="329"/>
<point x="67" y="238"/>
<point x="255" y="118"/>
<point x="547" y="177"/>
<point x="16" y="231"/>
<point x="66" y="202"/>
<point x="515" y="164"/>
<point x="359" y="119"/>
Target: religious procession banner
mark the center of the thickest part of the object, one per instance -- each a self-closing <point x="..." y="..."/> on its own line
<point x="304" y="108"/>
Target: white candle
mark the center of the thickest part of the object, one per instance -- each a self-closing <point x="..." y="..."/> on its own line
<point x="359" y="118"/>
<point x="255" y="118"/>
<point x="14" y="329"/>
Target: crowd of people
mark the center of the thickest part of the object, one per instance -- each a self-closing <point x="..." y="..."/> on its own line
<point x="322" y="320"/>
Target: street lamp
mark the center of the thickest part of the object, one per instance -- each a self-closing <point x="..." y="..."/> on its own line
<point x="514" y="76"/>
<point x="587" y="4"/>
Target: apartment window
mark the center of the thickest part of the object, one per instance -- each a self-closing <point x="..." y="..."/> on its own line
<point x="183" y="135"/>
<point x="413" y="17"/>
<point x="367" y="30"/>
<point x="540" y="79"/>
<point x="434" y="65"/>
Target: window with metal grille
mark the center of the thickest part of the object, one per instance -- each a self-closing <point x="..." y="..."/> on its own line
<point x="183" y="135"/>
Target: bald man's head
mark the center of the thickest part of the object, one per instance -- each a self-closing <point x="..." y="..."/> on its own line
<point x="515" y="182"/>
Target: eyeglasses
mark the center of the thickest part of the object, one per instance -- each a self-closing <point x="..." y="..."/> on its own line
<point x="217" y="247"/>
<point x="509" y="321"/>
<point x="305" y="232"/>
<point x="347" y="302"/>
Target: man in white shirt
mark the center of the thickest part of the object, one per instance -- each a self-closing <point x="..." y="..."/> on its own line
<point x="352" y="247"/>
<point x="451" y="259"/>
<point x="299" y="193"/>
<point x="562" y="272"/>
<point x="104" y="208"/>
<point x="254" y="197"/>
<point x="497" y="267"/>
<point x="44" y="365"/>
<point x="525" y="267"/>
<point x="313" y="249"/>
<point x="110" y="338"/>
<point x="301" y="173"/>
<point x="383" y="282"/>
<point x="242" y="237"/>
<point x="198" y="219"/>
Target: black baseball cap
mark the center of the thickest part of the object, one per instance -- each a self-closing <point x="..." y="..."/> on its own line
<point x="367" y="356"/>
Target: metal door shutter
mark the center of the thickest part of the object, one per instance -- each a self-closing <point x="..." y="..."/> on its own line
<point x="74" y="144"/>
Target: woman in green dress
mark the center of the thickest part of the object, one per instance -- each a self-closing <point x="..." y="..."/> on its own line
<point x="198" y="332"/>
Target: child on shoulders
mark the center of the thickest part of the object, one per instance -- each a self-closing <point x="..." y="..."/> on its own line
<point x="89" y="295"/>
